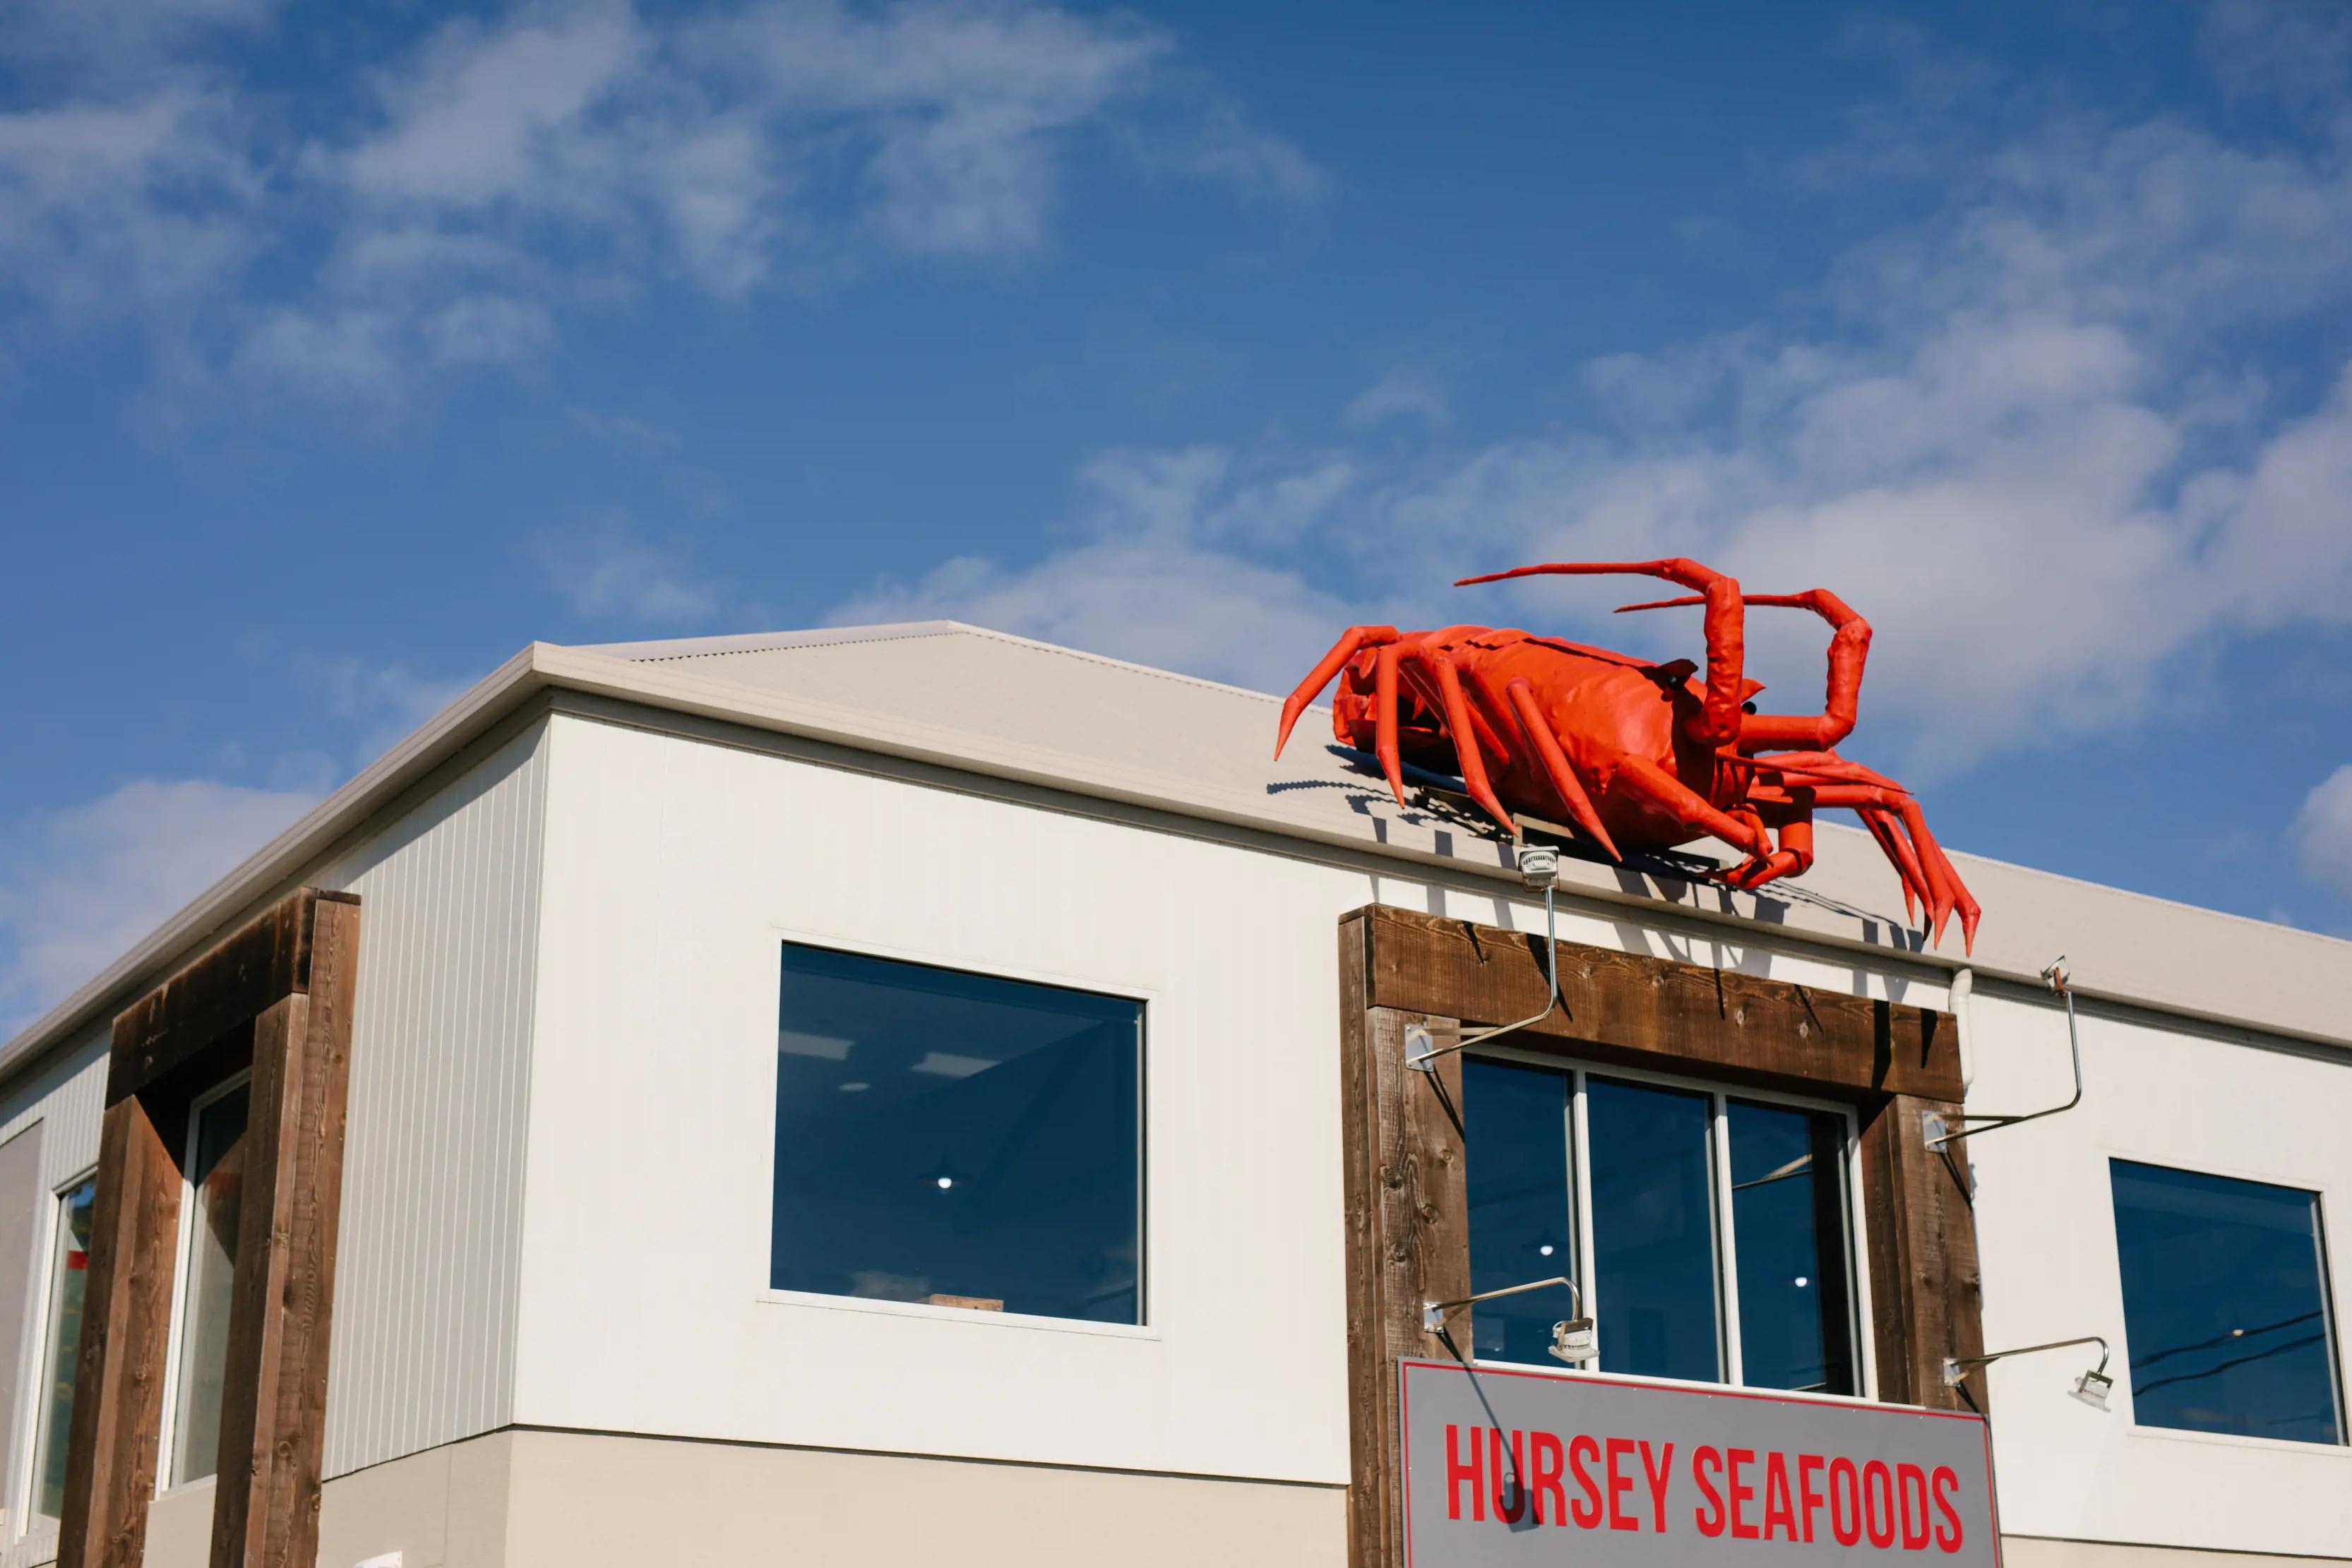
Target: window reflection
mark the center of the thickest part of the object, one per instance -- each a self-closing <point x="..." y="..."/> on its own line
<point x="956" y="1139"/>
<point x="216" y="1175"/>
<point x="68" y="1279"/>
<point x="2225" y="1310"/>
<point x="1653" y="1230"/>
<point x="1787" y="1224"/>
<point x="1517" y="1118"/>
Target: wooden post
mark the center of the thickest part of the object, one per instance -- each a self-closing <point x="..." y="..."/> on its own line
<point x="276" y="993"/>
<point x="1408" y="1236"/>
<point x="274" y="1405"/>
<point x="1925" y="1295"/>
<point x="118" y="1404"/>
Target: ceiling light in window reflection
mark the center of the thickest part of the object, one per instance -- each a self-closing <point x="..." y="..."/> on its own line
<point x="856" y="1088"/>
<point x="1802" y="1281"/>
<point x="945" y="1064"/>
<point x="1544" y="1249"/>
<point x="824" y="1047"/>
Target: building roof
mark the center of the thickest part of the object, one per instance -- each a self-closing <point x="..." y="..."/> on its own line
<point x="1088" y="728"/>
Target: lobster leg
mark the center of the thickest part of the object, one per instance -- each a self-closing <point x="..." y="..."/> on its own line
<point x="1907" y="864"/>
<point x="1354" y="641"/>
<point x="1564" y="775"/>
<point x="1793" y="858"/>
<point x="1646" y="778"/>
<point x="1718" y="720"/>
<point x="1384" y="714"/>
<point x="1465" y="737"/>
<point x="1947" y="894"/>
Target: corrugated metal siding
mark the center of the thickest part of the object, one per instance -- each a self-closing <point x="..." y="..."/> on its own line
<point x="425" y="1279"/>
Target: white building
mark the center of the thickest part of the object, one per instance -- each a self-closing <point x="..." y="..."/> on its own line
<point x="621" y="1274"/>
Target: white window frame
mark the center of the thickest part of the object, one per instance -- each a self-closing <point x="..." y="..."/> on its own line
<point x="44" y="1336"/>
<point x="183" y="1247"/>
<point x="1727" y="1273"/>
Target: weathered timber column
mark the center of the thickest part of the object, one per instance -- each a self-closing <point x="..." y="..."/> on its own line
<point x="117" y="1408"/>
<point x="1408" y="1236"/>
<point x="1926" y="1297"/>
<point x="274" y="1412"/>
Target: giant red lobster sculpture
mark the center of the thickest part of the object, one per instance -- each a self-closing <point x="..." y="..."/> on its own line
<point x="1635" y="754"/>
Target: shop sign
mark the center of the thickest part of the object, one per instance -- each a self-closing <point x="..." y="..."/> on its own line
<point x="1505" y="1469"/>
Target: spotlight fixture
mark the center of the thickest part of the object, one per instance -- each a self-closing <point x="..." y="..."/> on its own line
<point x="2091" y="1388"/>
<point x="1574" y="1340"/>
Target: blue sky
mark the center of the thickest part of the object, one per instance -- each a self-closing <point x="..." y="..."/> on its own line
<point x="345" y="350"/>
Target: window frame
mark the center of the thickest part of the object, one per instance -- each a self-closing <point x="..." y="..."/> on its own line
<point x="1147" y="1000"/>
<point x="2331" y="1318"/>
<point x="183" y="1250"/>
<point x="1578" y="1070"/>
<point x="35" y="1418"/>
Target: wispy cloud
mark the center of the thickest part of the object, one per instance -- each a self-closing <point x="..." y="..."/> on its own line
<point x="1406" y="391"/>
<point x="2030" y="450"/>
<point x="564" y="156"/>
<point x="84" y="885"/>
<point x="2322" y="834"/>
<point x="606" y="573"/>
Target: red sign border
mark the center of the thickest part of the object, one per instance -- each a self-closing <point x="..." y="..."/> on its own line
<point x="1710" y="1391"/>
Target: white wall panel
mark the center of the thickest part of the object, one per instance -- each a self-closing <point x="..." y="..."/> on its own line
<point x="68" y="1101"/>
<point x="2046" y="1239"/>
<point x="425" y="1277"/>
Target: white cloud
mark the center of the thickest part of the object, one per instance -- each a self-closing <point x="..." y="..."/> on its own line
<point x="607" y="573"/>
<point x="90" y="882"/>
<point x="2322" y="834"/>
<point x="1402" y="391"/>
<point x="2027" y="454"/>
<point x="566" y="155"/>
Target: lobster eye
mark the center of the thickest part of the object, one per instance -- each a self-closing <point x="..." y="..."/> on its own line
<point x="1747" y="707"/>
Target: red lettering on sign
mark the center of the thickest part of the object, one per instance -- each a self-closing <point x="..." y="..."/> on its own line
<point x="1543" y="1452"/>
<point x="1908" y="1478"/>
<point x="1779" y="1509"/>
<point x="1846" y="1501"/>
<point x="1457" y="1472"/>
<point x="1739" y="1494"/>
<point x="1946" y="1483"/>
<point x="1510" y="1481"/>
<point x="1807" y="1464"/>
<point x="1709" y="1518"/>
<point x="1663" y="1473"/>
<point x="1587" y="1509"/>
<point x="1878" y="1516"/>
<point x="1618" y="1518"/>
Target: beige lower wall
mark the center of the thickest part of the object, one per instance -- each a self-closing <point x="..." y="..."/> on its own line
<point x="560" y="1499"/>
<point x="2039" y="1551"/>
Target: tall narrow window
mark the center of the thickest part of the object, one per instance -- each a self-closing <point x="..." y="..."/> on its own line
<point x="68" y="1277"/>
<point x="1520" y="1207"/>
<point x="1788" y="1222"/>
<point x="1653" y="1230"/>
<point x="1709" y="1234"/>
<point x="2225" y="1305"/>
<point x="957" y="1139"/>
<point x="216" y="1170"/>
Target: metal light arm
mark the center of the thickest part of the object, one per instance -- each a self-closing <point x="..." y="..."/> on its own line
<point x="1956" y="1367"/>
<point x="1942" y="1129"/>
<point x="1534" y="861"/>
<point x="1434" y="1314"/>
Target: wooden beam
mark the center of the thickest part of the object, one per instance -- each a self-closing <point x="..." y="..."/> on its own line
<point x="240" y="978"/>
<point x="1926" y="1299"/>
<point x="1407" y="1198"/>
<point x="118" y="1406"/>
<point x="1643" y="1011"/>
<point x="274" y="1407"/>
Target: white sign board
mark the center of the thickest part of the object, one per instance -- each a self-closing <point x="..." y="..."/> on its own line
<point x="1509" y="1468"/>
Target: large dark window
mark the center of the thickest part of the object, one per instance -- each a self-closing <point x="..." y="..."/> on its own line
<point x="1664" y="1184"/>
<point x="2225" y="1305"/>
<point x="957" y="1139"/>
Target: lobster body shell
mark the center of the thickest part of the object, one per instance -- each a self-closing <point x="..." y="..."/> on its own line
<point x="1604" y="706"/>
